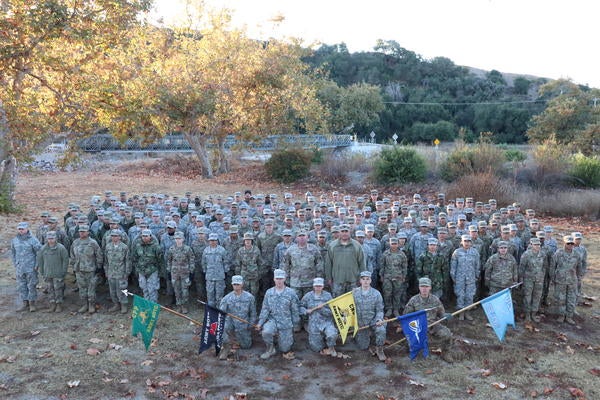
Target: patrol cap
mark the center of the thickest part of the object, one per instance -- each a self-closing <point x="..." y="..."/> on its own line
<point x="451" y="225"/>
<point x="52" y="220"/>
<point x="513" y="227"/>
<point x="540" y="234"/>
<point x="318" y="282"/>
<point x="502" y="243"/>
<point x="146" y="232"/>
<point x="248" y="236"/>
<point x="172" y="225"/>
<point x="45" y="214"/>
<point x="393" y="240"/>
<point x="568" y="239"/>
<point x="432" y="241"/>
<point x="269" y="221"/>
<point x="51" y="235"/>
<point x="279" y="274"/>
<point x="402" y="235"/>
<point x="441" y="196"/>
<point x="143" y="223"/>
<point x="115" y="232"/>
<point x="442" y="230"/>
<point x="548" y="229"/>
<point x="423" y="224"/>
<point x="365" y="274"/>
<point x="83" y="228"/>
<point x="369" y="228"/>
<point x="577" y="235"/>
<point x="237" y="280"/>
<point x="535" y="241"/>
<point x="23" y="225"/>
<point x="234" y="229"/>
<point x="424" y="281"/>
<point x="367" y="209"/>
<point x="213" y="236"/>
<point x="505" y="229"/>
<point x="468" y="210"/>
<point x="204" y="230"/>
<point x="156" y="213"/>
<point x="465" y="238"/>
<point x="472" y="228"/>
<point x="115" y="220"/>
<point x="482" y="224"/>
<point x="300" y="233"/>
<point x="407" y="220"/>
<point x="317" y="221"/>
<point x="286" y="232"/>
<point x="344" y="227"/>
<point x="462" y="217"/>
<point x="519" y="218"/>
<point x="335" y="229"/>
<point x="392" y="225"/>
<point x="360" y="233"/>
<point x="179" y="235"/>
<point x="219" y="211"/>
<point x="534" y="221"/>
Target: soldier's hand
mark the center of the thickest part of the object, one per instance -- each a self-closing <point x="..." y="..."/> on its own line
<point x="258" y="328"/>
<point x="448" y="316"/>
<point x="379" y="323"/>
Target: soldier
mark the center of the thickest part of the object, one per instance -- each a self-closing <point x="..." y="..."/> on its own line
<point x="532" y="270"/>
<point x="86" y="259"/>
<point x="320" y="319"/>
<point x="302" y="263"/>
<point x="566" y="270"/>
<point x="167" y="240"/>
<point x="118" y="267"/>
<point x="433" y="265"/>
<point x="180" y="264"/>
<point x="52" y="263"/>
<point x="580" y="248"/>
<point x="278" y="316"/>
<point x="24" y="249"/>
<point x="425" y="300"/>
<point x="500" y="269"/>
<point x="369" y="309"/>
<point x="419" y="241"/>
<point x="267" y="241"/>
<point x="345" y="259"/>
<point x="241" y="304"/>
<point x="214" y="265"/>
<point x="281" y="248"/>
<point x="248" y="263"/>
<point x="465" y="271"/>
<point x="198" y="245"/>
<point x="147" y="258"/>
<point x="394" y="265"/>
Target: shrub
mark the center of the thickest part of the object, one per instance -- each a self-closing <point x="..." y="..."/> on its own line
<point x="335" y="169"/>
<point x="399" y="165"/>
<point x="465" y="160"/>
<point x="561" y="203"/>
<point x="551" y="164"/>
<point x="586" y="170"/>
<point x="515" y="156"/>
<point x="288" y="165"/>
<point x="482" y="186"/>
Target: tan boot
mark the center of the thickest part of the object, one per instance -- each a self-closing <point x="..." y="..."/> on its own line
<point x="332" y="352"/>
<point x="184" y="309"/>
<point x="114" y="308"/>
<point x="224" y="352"/>
<point x="461" y="316"/>
<point x="32" y="307"/>
<point x="92" y="307"/>
<point x="52" y="308"/>
<point x="468" y="316"/>
<point x="24" y="307"/>
<point x="123" y="308"/>
<point x="570" y="321"/>
<point x="270" y="352"/>
<point x="58" y="308"/>
<point x="527" y="317"/>
<point x="83" y="308"/>
<point x="380" y="354"/>
<point x="561" y="318"/>
<point x="536" y="318"/>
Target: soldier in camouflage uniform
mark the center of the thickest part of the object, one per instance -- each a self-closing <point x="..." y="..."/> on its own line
<point x="52" y="264"/>
<point x="214" y="264"/>
<point x="248" y="263"/>
<point x="243" y="305"/>
<point x="198" y="245"/>
<point x="581" y="249"/>
<point x="465" y="271"/>
<point x="267" y="241"/>
<point x="180" y="265"/>
<point x="281" y="248"/>
<point x="392" y="274"/>
<point x="231" y="245"/>
<point x="566" y="269"/>
<point x="302" y="263"/>
<point x="500" y="269"/>
<point x="166" y="241"/>
<point x="434" y="266"/>
<point x="86" y="259"/>
<point x="147" y="259"/>
<point x="278" y="316"/>
<point x="369" y="310"/>
<point x="117" y="264"/>
<point x="532" y="271"/>
<point x="24" y="248"/>
<point x="320" y="319"/>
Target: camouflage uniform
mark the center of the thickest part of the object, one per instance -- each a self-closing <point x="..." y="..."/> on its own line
<point x="279" y="315"/>
<point x="248" y="264"/>
<point x="567" y="267"/>
<point x="147" y="258"/>
<point x="302" y="265"/>
<point x="582" y="251"/>
<point x="166" y="242"/>
<point x="180" y="264"/>
<point x="320" y="322"/>
<point x="215" y="265"/>
<point x="465" y="271"/>
<point x="417" y="303"/>
<point x="24" y="249"/>
<point x="278" y="253"/>
<point x="500" y="272"/>
<point x="52" y="263"/>
<point x="435" y="267"/>
<point x="118" y="267"/>
<point x="242" y="306"/>
<point x="86" y="259"/>
<point x="266" y="244"/>
<point x="369" y="309"/>
<point x="393" y="276"/>
<point x="231" y="246"/>
<point x="533" y="268"/>
<point x="198" y="247"/>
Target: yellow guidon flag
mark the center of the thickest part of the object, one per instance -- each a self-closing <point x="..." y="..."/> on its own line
<point x="344" y="314"/>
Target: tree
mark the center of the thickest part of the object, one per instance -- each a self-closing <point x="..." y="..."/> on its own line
<point x="45" y="49"/>
<point x="570" y="116"/>
<point x="208" y="84"/>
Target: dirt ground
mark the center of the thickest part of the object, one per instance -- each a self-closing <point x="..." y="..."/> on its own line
<point x="41" y="354"/>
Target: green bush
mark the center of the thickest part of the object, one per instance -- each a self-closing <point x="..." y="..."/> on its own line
<point x="514" y="155"/>
<point x="478" y="158"/>
<point x="399" y="165"/>
<point x="289" y="165"/>
<point x="586" y="170"/>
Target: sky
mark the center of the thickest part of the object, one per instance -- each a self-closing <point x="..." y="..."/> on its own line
<point x="551" y="38"/>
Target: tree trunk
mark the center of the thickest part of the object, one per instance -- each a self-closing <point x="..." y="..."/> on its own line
<point x="8" y="167"/>
<point x="198" y="144"/>
<point x="223" y="161"/>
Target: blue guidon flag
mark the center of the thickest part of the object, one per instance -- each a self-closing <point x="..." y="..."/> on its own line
<point x="212" y="329"/>
<point x="499" y="311"/>
<point x="414" y="326"/>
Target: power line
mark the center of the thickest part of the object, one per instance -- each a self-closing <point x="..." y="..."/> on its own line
<point x="492" y="103"/>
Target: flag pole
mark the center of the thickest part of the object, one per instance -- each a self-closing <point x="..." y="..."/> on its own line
<point x="455" y="313"/>
<point x="230" y="315"/>
<point x="127" y="293"/>
<point x="385" y="321"/>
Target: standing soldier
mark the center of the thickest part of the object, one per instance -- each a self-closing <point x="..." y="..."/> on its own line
<point x="532" y="269"/>
<point x="580" y="248"/>
<point x="320" y="319"/>
<point x="52" y="263"/>
<point x="118" y="267"/>
<point x="500" y="269"/>
<point x="243" y="305"/>
<point x="147" y="258"/>
<point x="278" y="316"/>
<point x="180" y="264"/>
<point x="302" y="263"/>
<point x="248" y="263"/>
<point x="24" y="248"/>
<point x="435" y="266"/>
<point x="465" y="270"/>
<point x="86" y="259"/>
<point x="369" y="311"/>
<point x="267" y="241"/>
<point x="393" y="272"/>
<point x="345" y="259"/>
<point x="567" y="269"/>
<point x="214" y="265"/>
<point x="198" y="245"/>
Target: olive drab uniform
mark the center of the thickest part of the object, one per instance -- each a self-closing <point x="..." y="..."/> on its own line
<point x="52" y="263"/>
<point x="180" y="265"/>
<point x="118" y="267"/>
<point x="435" y="267"/>
<point x="532" y="270"/>
<point x="567" y="267"/>
<point x="248" y="264"/>
<point x="393" y="272"/>
<point x="147" y="259"/>
<point x="86" y="259"/>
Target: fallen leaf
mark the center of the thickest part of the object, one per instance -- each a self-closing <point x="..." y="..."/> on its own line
<point x="530" y="360"/>
<point x="203" y="393"/>
<point x="499" y="385"/>
<point x="569" y="350"/>
<point x="285" y="377"/>
<point x="240" y="396"/>
<point x="289" y="355"/>
<point x="95" y="340"/>
<point x="548" y="391"/>
<point x="35" y="333"/>
<point x="486" y="372"/>
<point x="429" y="371"/>
<point x="73" y="384"/>
<point x="124" y="381"/>
<point x="93" y="351"/>
<point x="126" y="362"/>
<point x="576" y="392"/>
<point x="164" y="383"/>
<point x="348" y="364"/>
<point x="105" y="372"/>
<point x="388" y="361"/>
<point x="107" y="380"/>
<point x="299" y="365"/>
<point x="73" y="346"/>
<point x="533" y="393"/>
<point x="594" y="371"/>
<point x="46" y="355"/>
<point x="470" y="390"/>
<point x="148" y="382"/>
<point x="562" y="337"/>
<point x="146" y="363"/>
<point x="268" y="378"/>
<point x="115" y="346"/>
<point x="412" y="382"/>
<point x="437" y="350"/>
<point x="590" y="298"/>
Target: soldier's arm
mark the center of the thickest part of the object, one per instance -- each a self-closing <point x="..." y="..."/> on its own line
<point x="319" y="267"/>
<point x="191" y="259"/>
<point x="127" y="262"/>
<point x="487" y="273"/>
<point x="40" y="263"/>
<point x="253" y="310"/>
<point x="295" y="305"/>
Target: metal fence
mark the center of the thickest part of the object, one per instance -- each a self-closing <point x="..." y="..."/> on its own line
<point x="105" y="142"/>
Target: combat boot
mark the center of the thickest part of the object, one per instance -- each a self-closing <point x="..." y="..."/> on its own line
<point x="32" y="307"/>
<point x="570" y="321"/>
<point x="380" y="354"/>
<point x="561" y="318"/>
<point x="461" y="317"/>
<point x="52" y="308"/>
<point x="270" y="352"/>
<point x="58" y="307"/>
<point x="184" y="309"/>
<point x="114" y="308"/>
<point x="83" y="308"/>
<point x="224" y="352"/>
<point x="536" y="318"/>
<point x="468" y="316"/>
<point x="24" y="307"/>
<point x="123" y="308"/>
<point x="527" y="317"/>
<point x="92" y="307"/>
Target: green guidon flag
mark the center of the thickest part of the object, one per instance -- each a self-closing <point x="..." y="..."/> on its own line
<point x="144" y="316"/>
